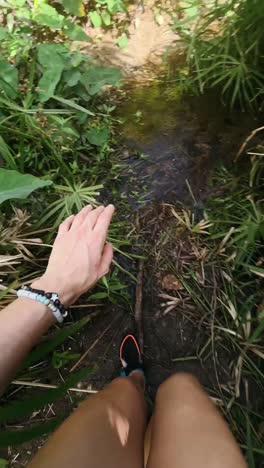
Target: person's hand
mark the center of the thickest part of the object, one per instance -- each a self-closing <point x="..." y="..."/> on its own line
<point x="80" y="255"/>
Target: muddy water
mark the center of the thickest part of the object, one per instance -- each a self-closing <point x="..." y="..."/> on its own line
<point x="171" y="139"/>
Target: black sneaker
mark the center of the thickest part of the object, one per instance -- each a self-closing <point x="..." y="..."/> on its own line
<point x="130" y="355"/>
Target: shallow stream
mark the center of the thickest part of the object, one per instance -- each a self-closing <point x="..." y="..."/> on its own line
<point x="171" y="138"/>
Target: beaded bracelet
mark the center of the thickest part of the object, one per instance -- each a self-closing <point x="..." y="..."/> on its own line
<point x="50" y="299"/>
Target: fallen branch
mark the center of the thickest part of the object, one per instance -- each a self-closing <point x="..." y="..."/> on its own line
<point x="24" y="383"/>
<point x="247" y="140"/>
<point x="138" y="306"/>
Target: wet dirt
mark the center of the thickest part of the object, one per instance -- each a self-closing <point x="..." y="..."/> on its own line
<point x="171" y="145"/>
<point x="147" y="39"/>
<point x="172" y="140"/>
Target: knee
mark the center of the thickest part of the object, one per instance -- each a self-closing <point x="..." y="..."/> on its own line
<point x="125" y="385"/>
<point x="116" y="395"/>
<point x="123" y="382"/>
<point x="125" y="397"/>
<point x="177" y="383"/>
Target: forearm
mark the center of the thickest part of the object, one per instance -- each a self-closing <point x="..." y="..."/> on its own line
<point x="79" y="258"/>
<point x="22" y="324"/>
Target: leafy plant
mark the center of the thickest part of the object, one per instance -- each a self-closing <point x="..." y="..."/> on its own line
<point x="25" y="407"/>
<point x="225" y="45"/>
<point x="22" y="408"/>
<point x="223" y="279"/>
<point x="16" y="185"/>
<point x="23" y="21"/>
<point x="44" y="349"/>
<point x="8" y="79"/>
<point x="74" y="7"/>
<point x="105" y="12"/>
<point x="70" y="199"/>
<point x="111" y="14"/>
<point x="59" y="359"/>
<point x="111" y="288"/>
<point x="56" y="132"/>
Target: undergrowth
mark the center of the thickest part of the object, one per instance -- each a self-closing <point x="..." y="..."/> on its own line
<point x="224" y="48"/>
<point x="57" y="150"/>
<point x="223" y="279"/>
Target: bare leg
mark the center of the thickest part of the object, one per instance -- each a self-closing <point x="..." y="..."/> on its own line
<point x="188" y="431"/>
<point x="107" y="430"/>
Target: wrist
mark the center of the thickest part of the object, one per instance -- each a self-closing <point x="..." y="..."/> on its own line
<point x="49" y="285"/>
<point x="36" y="310"/>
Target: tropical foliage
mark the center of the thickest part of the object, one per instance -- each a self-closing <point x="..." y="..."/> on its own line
<point x="225" y="45"/>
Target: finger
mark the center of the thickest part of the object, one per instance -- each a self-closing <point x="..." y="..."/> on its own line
<point x="106" y="260"/>
<point x="103" y="222"/>
<point x="65" y="226"/>
<point x="92" y="217"/>
<point x="81" y="216"/>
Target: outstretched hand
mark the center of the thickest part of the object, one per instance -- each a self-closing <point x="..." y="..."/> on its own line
<point x="80" y="255"/>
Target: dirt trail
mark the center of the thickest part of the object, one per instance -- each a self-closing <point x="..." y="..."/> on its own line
<point x="147" y="43"/>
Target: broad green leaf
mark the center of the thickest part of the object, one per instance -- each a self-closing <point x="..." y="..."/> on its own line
<point x="14" y="438"/>
<point x="46" y="15"/>
<point x="16" y="185"/>
<point x="45" y="348"/>
<point x="115" y="6"/>
<point x="122" y="41"/>
<point x="50" y="54"/>
<point x="74" y="31"/>
<point x="97" y="77"/>
<point x="48" y="82"/>
<point x="17" y="3"/>
<point x="24" y="407"/>
<point x="98" y="295"/>
<point x="52" y="57"/>
<point x="24" y="13"/>
<point x="98" y="136"/>
<point x="106" y="18"/>
<point x="3" y="35"/>
<point x="8" y="79"/>
<point x="75" y="7"/>
<point x="95" y="19"/>
<point x="72" y="77"/>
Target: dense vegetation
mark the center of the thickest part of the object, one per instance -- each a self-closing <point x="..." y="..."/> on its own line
<point x="225" y="45"/>
<point x="58" y="149"/>
<point x="56" y="132"/>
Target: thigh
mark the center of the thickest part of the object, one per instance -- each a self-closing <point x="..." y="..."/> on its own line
<point x="107" y="430"/>
<point x="188" y="431"/>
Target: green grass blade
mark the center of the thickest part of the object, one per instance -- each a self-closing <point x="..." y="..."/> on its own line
<point x="71" y="103"/>
<point x="14" y="438"/>
<point x="7" y="155"/>
<point x="45" y="348"/>
<point x="250" y="455"/>
<point x="22" y="408"/>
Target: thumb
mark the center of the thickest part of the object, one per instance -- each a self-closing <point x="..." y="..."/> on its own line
<point x="106" y="260"/>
